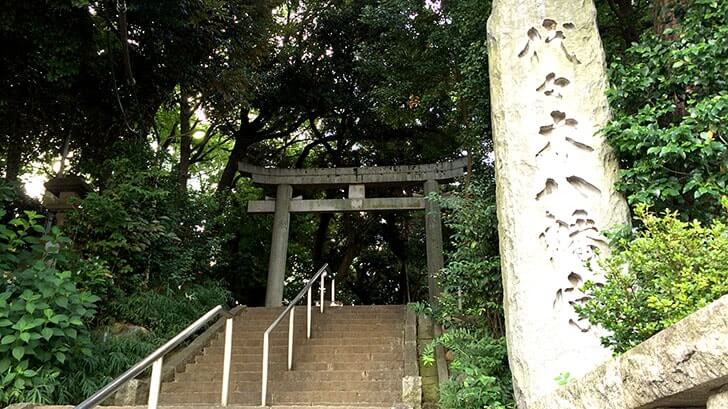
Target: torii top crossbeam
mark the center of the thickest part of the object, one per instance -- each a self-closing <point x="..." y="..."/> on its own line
<point x="403" y="175"/>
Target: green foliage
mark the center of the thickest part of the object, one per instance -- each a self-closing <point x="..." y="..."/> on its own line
<point x="43" y="314"/>
<point x="140" y="231"/>
<point x="470" y="306"/>
<point x="471" y="277"/>
<point x="480" y="376"/>
<point x="168" y="312"/>
<point x="563" y="379"/>
<point x="671" y="113"/>
<point x="668" y="270"/>
<point x="162" y="314"/>
<point x="111" y="357"/>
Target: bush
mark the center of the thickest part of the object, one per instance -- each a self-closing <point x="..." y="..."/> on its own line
<point x="111" y="356"/>
<point x="480" y="376"/>
<point x="168" y="312"/>
<point x="668" y="270"/>
<point x="164" y="314"/>
<point x="42" y="312"/>
<point x="472" y="278"/>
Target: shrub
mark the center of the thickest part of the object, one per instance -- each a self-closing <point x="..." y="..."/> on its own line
<point x="480" y="376"/>
<point x="168" y="312"/>
<point x="42" y="312"/>
<point x="111" y="356"/>
<point x="164" y="314"/>
<point x="472" y="278"/>
<point x="668" y="270"/>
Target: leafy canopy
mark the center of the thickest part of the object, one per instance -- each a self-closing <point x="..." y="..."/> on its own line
<point x="670" y="102"/>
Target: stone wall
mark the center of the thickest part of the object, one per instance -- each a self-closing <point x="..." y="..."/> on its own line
<point x="430" y="390"/>
<point x="684" y="366"/>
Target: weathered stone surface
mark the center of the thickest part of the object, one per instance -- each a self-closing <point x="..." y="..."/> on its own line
<point x="412" y="391"/>
<point x="428" y="373"/>
<point x="127" y="394"/>
<point x="341" y="205"/>
<point x="278" y="247"/>
<point x="400" y="175"/>
<point x="411" y="367"/>
<point x="718" y="400"/>
<point x="21" y="406"/>
<point x="555" y="178"/>
<point x="680" y="367"/>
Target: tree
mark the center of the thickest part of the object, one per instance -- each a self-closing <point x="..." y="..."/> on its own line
<point x="670" y="110"/>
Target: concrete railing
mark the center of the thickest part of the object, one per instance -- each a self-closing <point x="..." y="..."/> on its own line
<point x="684" y="366"/>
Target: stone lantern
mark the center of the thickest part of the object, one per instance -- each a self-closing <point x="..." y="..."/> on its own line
<point x="63" y="194"/>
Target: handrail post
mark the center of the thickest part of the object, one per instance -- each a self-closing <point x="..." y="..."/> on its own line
<point x="308" y="315"/>
<point x="155" y="383"/>
<point x="264" y="386"/>
<point x="290" y="338"/>
<point x="333" y="291"/>
<point x="226" y="362"/>
<point x="322" y="290"/>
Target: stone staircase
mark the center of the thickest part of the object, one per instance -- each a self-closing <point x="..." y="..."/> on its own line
<point x="355" y="358"/>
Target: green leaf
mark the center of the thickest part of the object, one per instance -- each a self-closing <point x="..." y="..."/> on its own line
<point x="46" y="333"/>
<point x="62" y="302"/>
<point x="60" y="356"/>
<point x="8" y="339"/>
<point x="4" y="365"/>
<point x="18" y="352"/>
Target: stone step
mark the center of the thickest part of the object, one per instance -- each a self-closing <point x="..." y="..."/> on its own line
<point x="304" y="348"/>
<point x="346" y="398"/>
<point x="318" y="339"/>
<point x="329" y="332"/>
<point x="318" y="331"/>
<point x="279" y="359"/>
<point x="323" y="355"/>
<point x="284" y="376"/>
<point x="353" y="360"/>
<point x="265" y="321"/>
<point x="298" y="366"/>
<point x="277" y="385"/>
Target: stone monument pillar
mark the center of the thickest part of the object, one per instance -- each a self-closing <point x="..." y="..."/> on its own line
<point x="555" y="182"/>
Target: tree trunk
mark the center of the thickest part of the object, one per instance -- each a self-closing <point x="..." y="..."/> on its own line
<point x="320" y="239"/>
<point x="227" y="180"/>
<point x="13" y="160"/>
<point x="627" y="20"/>
<point x="666" y="14"/>
<point x="398" y="245"/>
<point x="185" y="141"/>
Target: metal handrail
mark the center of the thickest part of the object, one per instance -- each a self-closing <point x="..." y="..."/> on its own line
<point x="320" y="274"/>
<point x="155" y="359"/>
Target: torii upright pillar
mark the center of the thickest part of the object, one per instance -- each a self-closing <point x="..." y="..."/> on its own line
<point x="279" y="247"/>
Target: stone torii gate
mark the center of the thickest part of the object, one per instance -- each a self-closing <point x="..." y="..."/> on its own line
<point x="357" y="180"/>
